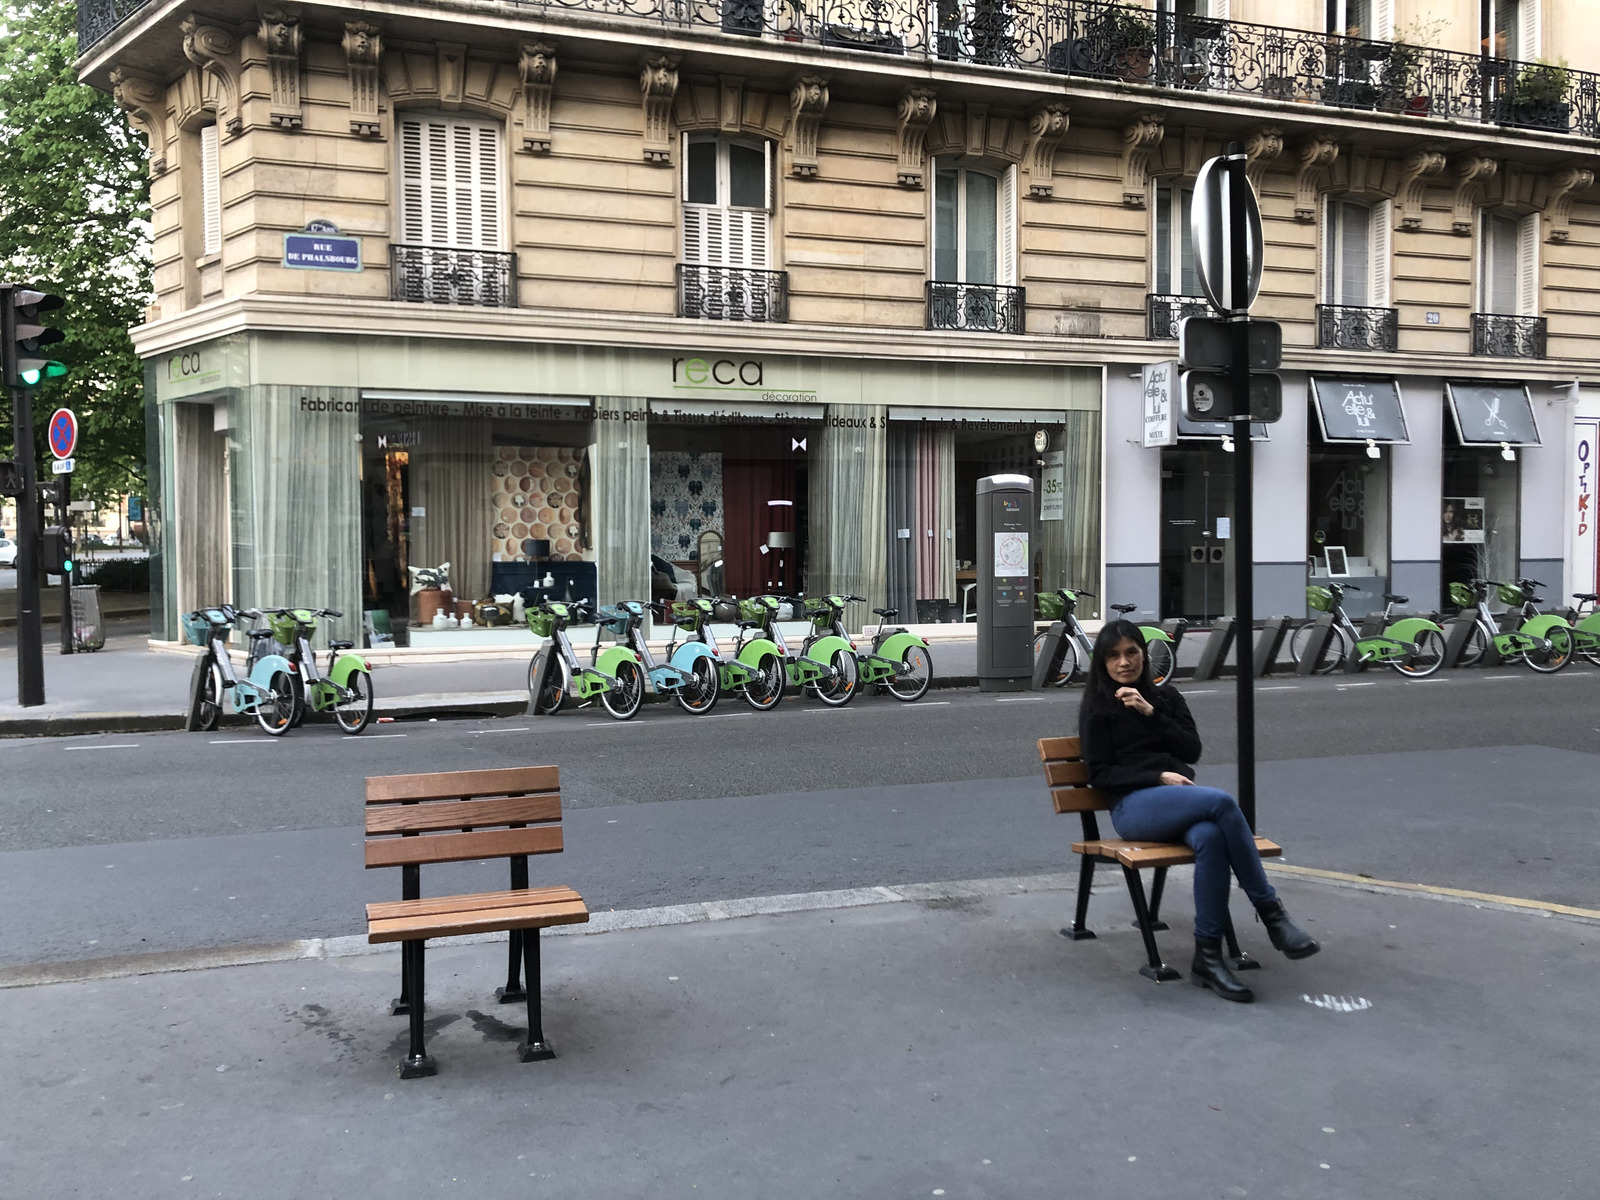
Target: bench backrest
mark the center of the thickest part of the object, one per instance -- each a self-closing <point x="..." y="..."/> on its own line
<point x="458" y="816"/>
<point x="1068" y="777"/>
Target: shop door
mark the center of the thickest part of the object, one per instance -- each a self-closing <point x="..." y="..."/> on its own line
<point x="1196" y="532"/>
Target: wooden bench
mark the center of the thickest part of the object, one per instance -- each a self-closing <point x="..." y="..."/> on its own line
<point x="1068" y="778"/>
<point x="461" y="816"/>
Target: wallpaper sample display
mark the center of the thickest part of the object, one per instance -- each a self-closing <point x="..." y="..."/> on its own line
<point x="685" y="500"/>
<point x="536" y="497"/>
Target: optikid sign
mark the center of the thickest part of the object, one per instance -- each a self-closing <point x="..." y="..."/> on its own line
<point x="1586" y="537"/>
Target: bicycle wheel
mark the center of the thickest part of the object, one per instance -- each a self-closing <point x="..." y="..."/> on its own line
<point x="205" y="691"/>
<point x="1069" y="659"/>
<point x="275" y="710"/>
<point x="840" y="689"/>
<point x="1427" y="658"/>
<point x="557" y="684"/>
<point x="698" y="695"/>
<point x="298" y="684"/>
<point x="1592" y="653"/>
<point x="915" y="676"/>
<point x="1473" y="650"/>
<point x="1548" y="662"/>
<point x="626" y="693"/>
<point x="1334" y="651"/>
<point x="1162" y="661"/>
<point x="353" y="711"/>
<point x="764" y="690"/>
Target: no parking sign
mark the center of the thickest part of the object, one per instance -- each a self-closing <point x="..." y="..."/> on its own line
<point x="63" y="432"/>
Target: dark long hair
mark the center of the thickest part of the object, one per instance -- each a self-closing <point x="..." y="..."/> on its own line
<point x="1100" y="692"/>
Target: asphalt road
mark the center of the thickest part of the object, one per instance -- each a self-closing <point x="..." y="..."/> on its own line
<point x="121" y="844"/>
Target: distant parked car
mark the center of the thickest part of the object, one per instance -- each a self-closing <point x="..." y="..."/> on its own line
<point x="8" y="553"/>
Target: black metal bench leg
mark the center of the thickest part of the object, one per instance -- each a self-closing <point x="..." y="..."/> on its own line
<point x="512" y="993"/>
<point x="1078" y="932"/>
<point x="1155" y="968"/>
<point x="1157" y="886"/>
<point x="410" y="889"/>
<point x="416" y="1062"/>
<point x="535" y="1048"/>
<point x="1240" y="960"/>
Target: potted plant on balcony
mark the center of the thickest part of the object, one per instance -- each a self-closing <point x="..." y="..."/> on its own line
<point x="1405" y="72"/>
<point x="1131" y="42"/>
<point x="1538" y="96"/>
<point x="792" y="25"/>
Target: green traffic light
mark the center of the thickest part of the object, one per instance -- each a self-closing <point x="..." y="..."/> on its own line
<point x="66" y="567"/>
<point x="36" y="372"/>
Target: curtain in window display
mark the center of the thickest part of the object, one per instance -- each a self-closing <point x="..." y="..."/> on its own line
<point x="452" y="480"/>
<point x="848" y="485"/>
<point x="901" y="513"/>
<point x="936" y="512"/>
<point x="620" y="459"/>
<point x="1071" y="546"/>
<point x="297" y="500"/>
<point x="200" y="533"/>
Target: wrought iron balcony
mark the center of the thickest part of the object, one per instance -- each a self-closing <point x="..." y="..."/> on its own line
<point x="977" y="307"/>
<point x="1348" y="327"/>
<point x="1499" y="336"/>
<point x="732" y="293"/>
<point x="440" y="275"/>
<point x="1162" y="314"/>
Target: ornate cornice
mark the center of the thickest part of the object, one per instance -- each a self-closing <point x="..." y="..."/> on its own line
<point x="538" y="67"/>
<point x="1139" y="138"/>
<point x="658" y="83"/>
<point x="1047" y="125"/>
<point x="914" y="112"/>
<point x="280" y="37"/>
<point x="808" y="100"/>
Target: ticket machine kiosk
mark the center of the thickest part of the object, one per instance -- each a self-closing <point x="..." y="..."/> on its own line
<point x="1005" y="583"/>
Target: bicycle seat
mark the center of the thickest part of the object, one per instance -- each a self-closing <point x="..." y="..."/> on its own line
<point x="748" y="624"/>
<point x="888" y="614"/>
<point x="259" y="633"/>
<point x="1123" y="608"/>
<point x="341" y="645"/>
<point x="1391" y="598"/>
<point x="1591" y="597"/>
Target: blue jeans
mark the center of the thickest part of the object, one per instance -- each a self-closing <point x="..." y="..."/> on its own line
<point x="1209" y="822"/>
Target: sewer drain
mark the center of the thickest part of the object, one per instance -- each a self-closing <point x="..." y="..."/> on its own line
<point x="1344" y="1004"/>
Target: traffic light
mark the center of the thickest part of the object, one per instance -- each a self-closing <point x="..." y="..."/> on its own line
<point x="10" y="478"/>
<point x="56" y="550"/>
<point x="26" y="336"/>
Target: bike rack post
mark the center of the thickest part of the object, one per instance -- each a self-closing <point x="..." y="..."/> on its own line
<point x="1271" y="641"/>
<point x="540" y="672"/>
<point x="1460" y="631"/>
<point x="1371" y="626"/>
<point x="1321" y="630"/>
<point x="1049" y="660"/>
<point x="1216" y="650"/>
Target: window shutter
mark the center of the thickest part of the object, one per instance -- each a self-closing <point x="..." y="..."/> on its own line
<point x="413" y="196"/>
<point x="1219" y="9"/>
<point x="487" y="161"/>
<point x="1330" y="250"/>
<point x="450" y="183"/>
<point x="1528" y="265"/>
<point x="1007" y="243"/>
<point x="1529" y="34"/>
<point x="210" y="190"/>
<point x="1378" y="290"/>
<point x="1382" y="21"/>
<point x="694" y="234"/>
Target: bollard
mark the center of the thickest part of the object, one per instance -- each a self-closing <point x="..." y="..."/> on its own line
<point x="541" y="670"/>
<point x="1216" y="650"/>
<point x="1316" y="643"/>
<point x="1460" y="630"/>
<point x="1272" y="635"/>
<point x="1049" y="660"/>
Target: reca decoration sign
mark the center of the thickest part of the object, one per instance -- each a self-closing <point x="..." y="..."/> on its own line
<point x="321" y="247"/>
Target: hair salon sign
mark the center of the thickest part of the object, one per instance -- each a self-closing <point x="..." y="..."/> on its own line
<point x="1160" y="429"/>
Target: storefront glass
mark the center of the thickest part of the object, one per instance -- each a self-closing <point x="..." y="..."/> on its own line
<point x="1196" y="531"/>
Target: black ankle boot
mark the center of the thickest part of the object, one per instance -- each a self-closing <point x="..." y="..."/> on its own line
<point x="1211" y="971"/>
<point x="1285" y="934"/>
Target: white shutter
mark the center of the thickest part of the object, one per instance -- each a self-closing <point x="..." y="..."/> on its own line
<point x="1378" y="290"/>
<point x="1382" y="21"/>
<point x="1330" y="250"/>
<point x="210" y="191"/>
<point x="450" y="183"/>
<point x="1530" y="39"/>
<point x="413" y="198"/>
<point x="1528" y="265"/>
<point x="1007" y="242"/>
<point x="694" y="234"/>
<point x="1218" y="9"/>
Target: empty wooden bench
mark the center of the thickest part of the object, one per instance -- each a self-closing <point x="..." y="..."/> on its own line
<point x="461" y="816"/>
<point x="1068" y="778"/>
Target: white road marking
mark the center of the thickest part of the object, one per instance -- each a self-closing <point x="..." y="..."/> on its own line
<point x="1282" y="687"/>
<point x="519" y="729"/>
<point x="1018" y="699"/>
<point x="370" y="736"/>
<point x="113" y="746"/>
<point x="1202" y="691"/>
<point x="252" y="741"/>
<point x="1488" y="677"/>
<point x="931" y="703"/>
<point x="1342" y="686"/>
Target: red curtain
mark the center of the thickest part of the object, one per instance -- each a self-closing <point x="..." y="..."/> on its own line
<point x="748" y="488"/>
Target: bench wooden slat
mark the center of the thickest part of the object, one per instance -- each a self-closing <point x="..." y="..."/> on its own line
<point x="460" y="785"/>
<point x="1058" y="747"/>
<point x="462" y="847"/>
<point x="1080" y="799"/>
<point x="463" y="814"/>
<point x="493" y="920"/>
<point x="1142" y="855"/>
<point x="384" y="910"/>
<point x="1063" y="771"/>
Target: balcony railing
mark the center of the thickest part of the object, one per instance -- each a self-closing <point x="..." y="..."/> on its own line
<point x="439" y="275"/>
<point x="1348" y="327"/>
<point x="1097" y="40"/>
<point x="1162" y="314"/>
<point x="1499" y="336"/>
<point x="732" y="293"/>
<point x="977" y="307"/>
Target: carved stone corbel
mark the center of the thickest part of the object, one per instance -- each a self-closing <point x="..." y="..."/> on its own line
<point x="1415" y="171"/>
<point x="145" y="102"/>
<point x="1139" y="140"/>
<point x="1047" y="125"/>
<point x="1261" y="149"/>
<point x="808" y="100"/>
<point x="363" y="47"/>
<point x="538" y="66"/>
<point x="215" y="52"/>
<point x="658" y="84"/>
<point x="1471" y="171"/>
<point x="281" y="39"/>
<point x="913" y="114"/>
<point x="1315" y="155"/>
<point x="1555" y="196"/>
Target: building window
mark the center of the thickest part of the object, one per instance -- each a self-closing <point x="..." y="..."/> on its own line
<point x="1175" y="274"/>
<point x="1508" y="265"/>
<point x="974" y="225"/>
<point x="1356" y="254"/>
<point x="210" y="192"/>
<point x="1511" y="29"/>
<point x="727" y="203"/>
<point x="450" y="183"/>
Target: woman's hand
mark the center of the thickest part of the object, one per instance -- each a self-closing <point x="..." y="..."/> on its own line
<point x="1135" y="700"/>
<point x="1173" y="779"/>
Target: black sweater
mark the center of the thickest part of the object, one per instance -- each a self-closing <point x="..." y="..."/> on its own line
<point x="1126" y="751"/>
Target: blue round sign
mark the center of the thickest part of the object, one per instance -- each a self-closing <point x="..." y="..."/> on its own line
<point x="63" y="433"/>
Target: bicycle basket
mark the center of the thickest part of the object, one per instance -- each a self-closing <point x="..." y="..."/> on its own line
<point x="196" y="628"/>
<point x="1050" y="606"/>
<point x="1512" y="593"/>
<point x="820" y="613"/>
<point x="752" y="609"/>
<point x="1462" y="596"/>
<point x="686" y="614"/>
<point x="613" y="620"/>
<point x="542" y="623"/>
<point x="1319" y="598"/>
<point x="283" y="628"/>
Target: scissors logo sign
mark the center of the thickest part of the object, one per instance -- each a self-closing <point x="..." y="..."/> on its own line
<point x="1493" y="422"/>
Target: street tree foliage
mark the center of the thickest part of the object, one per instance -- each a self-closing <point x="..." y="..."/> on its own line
<point x="75" y="217"/>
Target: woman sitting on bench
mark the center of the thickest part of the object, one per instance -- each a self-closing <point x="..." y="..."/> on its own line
<point x="1138" y="741"/>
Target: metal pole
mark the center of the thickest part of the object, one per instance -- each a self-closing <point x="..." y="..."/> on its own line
<point x="64" y="519"/>
<point x="1243" y="486"/>
<point x="30" y="634"/>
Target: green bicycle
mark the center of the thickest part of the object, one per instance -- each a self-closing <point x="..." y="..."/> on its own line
<point x="1544" y="641"/>
<point x="1160" y="647"/>
<point x="614" y="675"/>
<point x="345" y="691"/>
<point x="1413" y="646"/>
<point x="1586" y="626"/>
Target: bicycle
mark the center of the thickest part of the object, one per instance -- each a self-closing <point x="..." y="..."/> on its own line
<point x="690" y="678"/>
<point x="1060" y="607"/>
<point x="1544" y="641"/>
<point x="346" y="689"/>
<point x="267" y="693"/>
<point x="1586" y="626"/>
<point x="829" y="642"/>
<point x="755" y="669"/>
<point x="614" y="675"/>
<point x="1160" y="647"/>
<point x="1413" y="646"/>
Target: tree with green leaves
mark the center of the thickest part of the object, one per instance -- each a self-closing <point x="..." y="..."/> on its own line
<point x="75" y="217"/>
